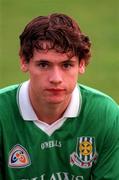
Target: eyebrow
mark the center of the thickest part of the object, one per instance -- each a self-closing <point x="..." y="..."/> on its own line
<point x="42" y="60"/>
<point x="48" y="61"/>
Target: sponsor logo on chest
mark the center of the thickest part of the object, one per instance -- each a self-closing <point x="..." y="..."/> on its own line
<point x="57" y="176"/>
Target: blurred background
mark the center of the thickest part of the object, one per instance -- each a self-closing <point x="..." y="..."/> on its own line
<point x="98" y="19"/>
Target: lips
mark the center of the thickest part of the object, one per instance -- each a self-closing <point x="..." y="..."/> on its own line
<point x="55" y="90"/>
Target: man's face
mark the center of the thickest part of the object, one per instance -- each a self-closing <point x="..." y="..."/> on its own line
<point x="53" y="76"/>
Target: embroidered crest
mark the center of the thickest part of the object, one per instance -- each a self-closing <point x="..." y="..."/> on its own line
<point x="19" y="157"/>
<point x="85" y="154"/>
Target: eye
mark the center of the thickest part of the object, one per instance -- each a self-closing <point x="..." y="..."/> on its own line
<point x="67" y="65"/>
<point x="43" y="65"/>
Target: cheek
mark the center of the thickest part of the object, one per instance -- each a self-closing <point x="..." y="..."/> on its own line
<point x="72" y="80"/>
<point x="74" y="75"/>
<point x="38" y="80"/>
<point x="34" y="74"/>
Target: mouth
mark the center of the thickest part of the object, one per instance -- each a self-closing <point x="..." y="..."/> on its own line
<point x="55" y="90"/>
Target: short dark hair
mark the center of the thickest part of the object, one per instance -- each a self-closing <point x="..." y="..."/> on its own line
<point x="60" y="32"/>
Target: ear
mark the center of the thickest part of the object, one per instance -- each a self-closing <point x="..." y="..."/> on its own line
<point x="82" y="67"/>
<point x="23" y="64"/>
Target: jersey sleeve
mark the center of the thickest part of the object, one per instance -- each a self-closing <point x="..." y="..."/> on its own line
<point x="0" y="154"/>
<point x="107" y="167"/>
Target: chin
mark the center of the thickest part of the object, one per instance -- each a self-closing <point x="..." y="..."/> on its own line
<point x="55" y="101"/>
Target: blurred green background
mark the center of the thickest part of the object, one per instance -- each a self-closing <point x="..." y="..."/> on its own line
<point x="98" y="19"/>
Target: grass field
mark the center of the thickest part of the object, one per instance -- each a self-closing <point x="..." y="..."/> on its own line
<point x="98" y="19"/>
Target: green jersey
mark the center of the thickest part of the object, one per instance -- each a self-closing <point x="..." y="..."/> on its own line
<point x="85" y="147"/>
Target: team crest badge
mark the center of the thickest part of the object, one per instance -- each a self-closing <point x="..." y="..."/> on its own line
<point x="19" y="157"/>
<point x="85" y="154"/>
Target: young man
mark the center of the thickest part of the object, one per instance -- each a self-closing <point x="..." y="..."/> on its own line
<point x="52" y="128"/>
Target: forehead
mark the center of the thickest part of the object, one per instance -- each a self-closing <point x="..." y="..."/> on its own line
<point x="53" y="56"/>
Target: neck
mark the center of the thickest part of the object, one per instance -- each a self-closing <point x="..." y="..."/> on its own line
<point x="51" y="112"/>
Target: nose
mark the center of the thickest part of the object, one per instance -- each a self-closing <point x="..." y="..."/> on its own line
<point x="55" y="76"/>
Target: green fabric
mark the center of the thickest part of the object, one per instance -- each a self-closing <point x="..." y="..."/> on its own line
<point x="61" y="156"/>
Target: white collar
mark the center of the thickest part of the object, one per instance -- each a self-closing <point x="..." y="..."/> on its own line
<point x="28" y="113"/>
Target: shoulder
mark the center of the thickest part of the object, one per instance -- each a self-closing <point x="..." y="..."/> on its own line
<point x="99" y="107"/>
<point x="8" y="97"/>
<point x="7" y="92"/>
<point x="96" y="98"/>
<point x="8" y="89"/>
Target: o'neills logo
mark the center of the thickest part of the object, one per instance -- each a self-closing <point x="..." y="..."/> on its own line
<point x="57" y="176"/>
<point x="85" y="154"/>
